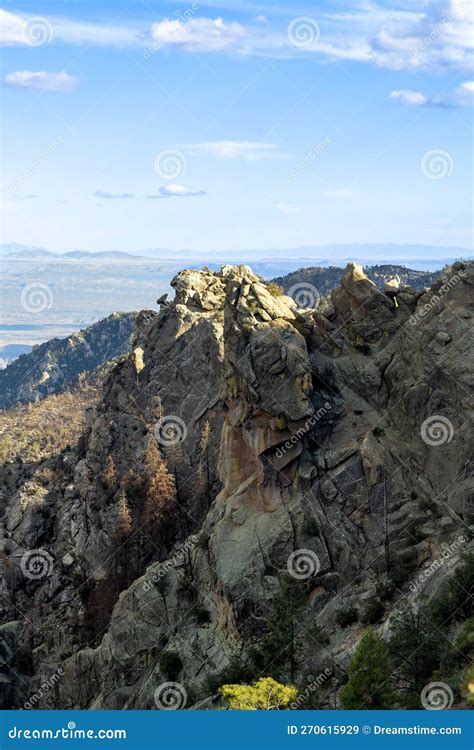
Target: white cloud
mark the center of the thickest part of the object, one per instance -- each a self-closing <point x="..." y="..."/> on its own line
<point x="398" y="34"/>
<point x="251" y="151"/>
<point x="177" y="191"/>
<point x="462" y="96"/>
<point x="10" y="29"/>
<point x="112" y="196"/>
<point x="395" y="34"/>
<point x="39" y="79"/>
<point x="413" y="98"/>
<point x="198" y="34"/>
<point x="465" y="93"/>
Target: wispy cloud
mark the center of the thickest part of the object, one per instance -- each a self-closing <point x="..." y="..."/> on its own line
<point x="395" y="34"/>
<point x="199" y="34"/>
<point x="113" y="196"/>
<point x="251" y="151"/>
<point x="463" y="96"/>
<point x="176" y="191"/>
<point x="42" y="80"/>
<point x="412" y="98"/>
<point x="33" y="31"/>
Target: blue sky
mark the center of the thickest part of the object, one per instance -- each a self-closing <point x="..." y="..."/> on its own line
<point x="250" y="125"/>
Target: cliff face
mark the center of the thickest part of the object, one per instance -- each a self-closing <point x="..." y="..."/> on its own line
<point x="331" y="447"/>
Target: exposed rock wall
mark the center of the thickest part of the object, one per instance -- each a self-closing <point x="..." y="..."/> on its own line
<point x="302" y="442"/>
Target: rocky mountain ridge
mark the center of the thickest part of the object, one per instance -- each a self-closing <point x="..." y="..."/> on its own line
<point x="328" y="446"/>
<point x="325" y="279"/>
<point x="56" y="364"/>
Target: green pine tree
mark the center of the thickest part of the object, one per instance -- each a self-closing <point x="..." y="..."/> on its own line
<point x="369" y="672"/>
<point x="416" y="650"/>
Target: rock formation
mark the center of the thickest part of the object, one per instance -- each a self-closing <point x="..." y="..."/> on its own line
<point x="331" y="445"/>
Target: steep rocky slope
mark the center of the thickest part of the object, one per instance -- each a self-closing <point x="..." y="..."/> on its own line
<point x="281" y="442"/>
<point x="56" y="364"/>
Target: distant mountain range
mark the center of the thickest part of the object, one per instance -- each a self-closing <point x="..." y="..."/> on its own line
<point x="9" y="352"/>
<point x="428" y="257"/>
<point x="14" y="250"/>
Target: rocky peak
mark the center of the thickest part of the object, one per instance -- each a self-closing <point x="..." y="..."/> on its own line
<point x="365" y="314"/>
